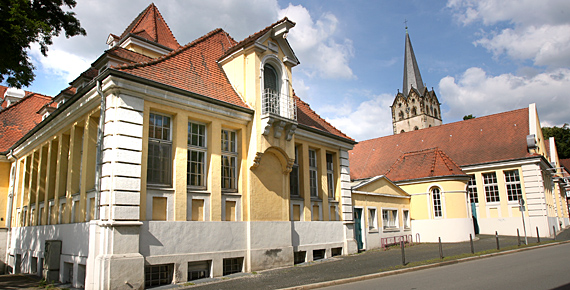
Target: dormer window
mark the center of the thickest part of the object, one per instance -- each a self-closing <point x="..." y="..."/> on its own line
<point x="270" y="81"/>
<point x="276" y="99"/>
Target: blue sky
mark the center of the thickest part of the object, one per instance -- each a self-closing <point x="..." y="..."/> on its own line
<point x="481" y="57"/>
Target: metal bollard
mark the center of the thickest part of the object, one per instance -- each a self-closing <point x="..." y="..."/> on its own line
<point x="440" y="249"/>
<point x="497" y="238"/>
<point x="403" y="253"/>
<point x="554" y="231"/>
<point x="518" y="238"/>
<point x="537" y="235"/>
<point x="471" y="241"/>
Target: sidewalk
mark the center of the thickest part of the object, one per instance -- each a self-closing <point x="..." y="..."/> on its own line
<point x="366" y="263"/>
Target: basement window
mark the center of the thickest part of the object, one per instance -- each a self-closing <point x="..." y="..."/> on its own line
<point x="233" y="265"/>
<point x="157" y="275"/>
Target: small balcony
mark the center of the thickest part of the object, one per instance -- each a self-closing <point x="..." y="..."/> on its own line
<point x="278" y="112"/>
<point x="278" y="104"/>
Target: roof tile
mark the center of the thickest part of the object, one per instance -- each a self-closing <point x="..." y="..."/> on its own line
<point x="424" y="163"/>
<point x="480" y="140"/>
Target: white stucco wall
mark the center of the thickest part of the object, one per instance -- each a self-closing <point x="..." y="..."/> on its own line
<point x="450" y="230"/>
<point x="171" y="238"/>
<point x="74" y="239"/>
<point x="314" y="233"/>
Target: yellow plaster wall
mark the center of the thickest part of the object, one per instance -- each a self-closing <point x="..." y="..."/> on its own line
<point x="143" y="51"/>
<point x="179" y="120"/>
<point x="453" y="198"/>
<point x="380" y="202"/>
<point x="4" y="188"/>
<point x="270" y="191"/>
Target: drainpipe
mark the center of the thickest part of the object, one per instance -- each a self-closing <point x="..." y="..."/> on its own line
<point x="11" y="191"/>
<point x="10" y="206"/>
<point x="99" y="155"/>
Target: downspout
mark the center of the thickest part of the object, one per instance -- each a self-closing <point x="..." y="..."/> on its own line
<point x="99" y="155"/>
<point x="10" y="206"/>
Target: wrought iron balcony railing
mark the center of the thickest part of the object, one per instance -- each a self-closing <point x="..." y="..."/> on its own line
<point x="278" y="104"/>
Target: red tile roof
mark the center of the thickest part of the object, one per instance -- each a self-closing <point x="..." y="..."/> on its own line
<point x="424" y="163"/>
<point x="565" y="163"/>
<point x="193" y="68"/>
<point x="128" y="56"/>
<point x="150" y="25"/>
<point x="20" y="118"/>
<point x="480" y="140"/>
<point x="3" y="90"/>
<point x="306" y="116"/>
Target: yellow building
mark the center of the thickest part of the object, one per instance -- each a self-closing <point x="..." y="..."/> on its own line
<point x="202" y="163"/>
<point x="493" y="162"/>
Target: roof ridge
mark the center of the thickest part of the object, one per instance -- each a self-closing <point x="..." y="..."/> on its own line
<point x="477" y="119"/>
<point x="167" y="26"/>
<point x="308" y="106"/>
<point x="172" y="53"/>
<point x="136" y="21"/>
<point x="446" y="158"/>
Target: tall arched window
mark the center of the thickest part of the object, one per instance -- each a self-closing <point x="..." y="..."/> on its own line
<point x="401" y="115"/>
<point x="436" y="199"/>
<point x="414" y="111"/>
<point x="270" y="90"/>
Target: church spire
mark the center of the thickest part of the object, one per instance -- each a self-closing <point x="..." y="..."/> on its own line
<point x="412" y="77"/>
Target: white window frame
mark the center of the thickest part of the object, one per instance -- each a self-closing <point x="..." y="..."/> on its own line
<point x="230" y="153"/>
<point x="163" y="144"/>
<point x="330" y="175"/>
<point x="200" y="149"/>
<point x="294" y="183"/>
<point x="513" y="184"/>
<point x="372" y="219"/>
<point x="472" y="189"/>
<point x="406" y="218"/>
<point x="313" y="174"/>
<point x="492" y="194"/>
<point x="436" y="201"/>
<point x="389" y="220"/>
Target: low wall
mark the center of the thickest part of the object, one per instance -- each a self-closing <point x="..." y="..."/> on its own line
<point x="508" y="226"/>
<point x="450" y="230"/>
<point x="314" y="233"/>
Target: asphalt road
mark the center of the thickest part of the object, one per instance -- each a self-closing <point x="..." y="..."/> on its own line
<point x="542" y="268"/>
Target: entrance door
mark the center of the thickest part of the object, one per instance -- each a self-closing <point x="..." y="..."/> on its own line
<point x="358" y="227"/>
<point x="474" y="216"/>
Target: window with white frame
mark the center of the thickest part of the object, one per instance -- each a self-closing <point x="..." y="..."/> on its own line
<point x="406" y="218"/>
<point x="313" y="171"/>
<point x="197" y="150"/>
<point x="330" y="176"/>
<point x="229" y="160"/>
<point x="372" y="219"/>
<point x="159" y="165"/>
<point x="472" y="189"/>
<point x="436" y="198"/>
<point x="294" y="176"/>
<point x="491" y="187"/>
<point x="389" y="218"/>
<point x="513" y="183"/>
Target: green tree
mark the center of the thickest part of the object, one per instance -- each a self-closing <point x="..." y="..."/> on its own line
<point x="23" y="22"/>
<point x="467" y="117"/>
<point x="561" y="136"/>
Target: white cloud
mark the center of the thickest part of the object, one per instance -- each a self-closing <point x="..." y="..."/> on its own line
<point x="61" y="64"/>
<point x="540" y="29"/>
<point x="371" y="119"/>
<point x="316" y="46"/>
<point x="477" y="93"/>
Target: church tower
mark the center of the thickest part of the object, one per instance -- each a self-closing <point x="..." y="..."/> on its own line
<point x="415" y="107"/>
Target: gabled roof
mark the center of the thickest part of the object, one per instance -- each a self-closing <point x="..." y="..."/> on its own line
<point x="254" y="37"/>
<point x="491" y="138"/>
<point x="128" y="56"/>
<point x="412" y="77"/>
<point x="565" y="163"/>
<point x="150" y="25"/>
<point x="193" y="68"/>
<point x="20" y="118"/>
<point x="306" y="116"/>
<point x="423" y="164"/>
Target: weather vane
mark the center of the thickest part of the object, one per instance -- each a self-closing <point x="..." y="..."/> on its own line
<point x="406" y="23"/>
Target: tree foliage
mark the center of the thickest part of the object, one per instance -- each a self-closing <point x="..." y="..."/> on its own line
<point x="467" y="117"/>
<point x="561" y="136"/>
<point x="23" y="22"/>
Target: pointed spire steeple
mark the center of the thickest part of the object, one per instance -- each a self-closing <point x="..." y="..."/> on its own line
<point x="412" y="77"/>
